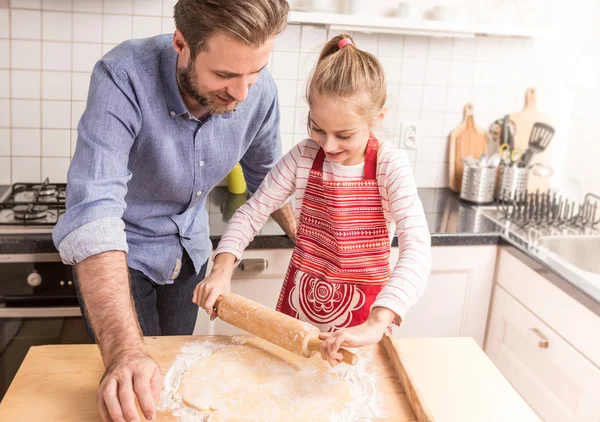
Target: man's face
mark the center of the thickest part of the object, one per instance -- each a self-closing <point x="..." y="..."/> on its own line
<point x="220" y="75"/>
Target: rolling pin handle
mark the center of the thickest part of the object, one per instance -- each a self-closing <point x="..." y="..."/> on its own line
<point x="314" y="345"/>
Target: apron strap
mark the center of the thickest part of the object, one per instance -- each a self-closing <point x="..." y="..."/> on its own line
<point x="370" y="168"/>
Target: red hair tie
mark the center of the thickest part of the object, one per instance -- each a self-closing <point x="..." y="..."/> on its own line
<point x="344" y="42"/>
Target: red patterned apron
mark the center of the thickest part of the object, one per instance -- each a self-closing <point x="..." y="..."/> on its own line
<point x="341" y="259"/>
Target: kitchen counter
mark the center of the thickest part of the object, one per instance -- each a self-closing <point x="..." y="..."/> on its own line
<point x="452" y="377"/>
<point x="452" y="222"/>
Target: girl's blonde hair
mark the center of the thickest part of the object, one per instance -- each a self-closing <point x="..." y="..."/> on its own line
<point x="347" y="73"/>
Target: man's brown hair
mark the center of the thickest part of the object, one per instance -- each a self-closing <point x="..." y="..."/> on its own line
<point x="249" y="21"/>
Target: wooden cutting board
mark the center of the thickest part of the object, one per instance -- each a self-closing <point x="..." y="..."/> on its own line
<point x="446" y="379"/>
<point x="524" y="121"/>
<point x="467" y="139"/>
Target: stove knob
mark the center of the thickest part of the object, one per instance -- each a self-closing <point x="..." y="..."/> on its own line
<point x="34" y="279"/>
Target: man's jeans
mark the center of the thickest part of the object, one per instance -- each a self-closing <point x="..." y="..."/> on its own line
<point x="162" y="310"/>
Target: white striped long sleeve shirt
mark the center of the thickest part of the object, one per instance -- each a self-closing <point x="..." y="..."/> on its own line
<point x="402" y="209"/>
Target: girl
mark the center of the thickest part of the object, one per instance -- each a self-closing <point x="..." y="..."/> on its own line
<point x="352" y="193"/>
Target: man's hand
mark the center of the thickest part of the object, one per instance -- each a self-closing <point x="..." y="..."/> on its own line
<point x="217" y="283"/>
<point x="124" y="380"/>
<point x="369" y="332"/>
<point x="286" y="220"/>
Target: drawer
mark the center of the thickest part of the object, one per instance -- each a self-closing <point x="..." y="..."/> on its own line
<point x="557" y="381"/>
<point x="262" y="263"/>
<point x="571" y="320"/>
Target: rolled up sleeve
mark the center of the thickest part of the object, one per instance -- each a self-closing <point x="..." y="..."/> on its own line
<point x="98" y="174"/>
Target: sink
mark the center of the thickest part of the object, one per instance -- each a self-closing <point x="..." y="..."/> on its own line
<point x="579" y="251"/>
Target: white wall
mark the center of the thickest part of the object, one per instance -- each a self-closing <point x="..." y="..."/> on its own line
<point x="48" y="49"/>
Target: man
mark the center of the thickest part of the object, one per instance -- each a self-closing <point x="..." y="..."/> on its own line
<point x="166" y="119"/>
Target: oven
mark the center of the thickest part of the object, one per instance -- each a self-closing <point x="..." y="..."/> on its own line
<point x="38" y="301"/>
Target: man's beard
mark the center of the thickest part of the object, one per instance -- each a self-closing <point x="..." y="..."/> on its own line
<point x="188" y="83"/>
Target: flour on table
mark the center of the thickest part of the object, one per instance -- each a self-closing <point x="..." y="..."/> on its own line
<point x="255" y="380"/>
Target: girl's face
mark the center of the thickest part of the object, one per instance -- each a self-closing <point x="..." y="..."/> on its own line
<point x="342" y="136"/>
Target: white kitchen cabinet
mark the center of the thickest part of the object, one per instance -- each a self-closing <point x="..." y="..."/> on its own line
<point x="254" y="281"/>
<point x="456" y="300"/>
<point x="557" y="381"/>
<point x="545" y="343"/>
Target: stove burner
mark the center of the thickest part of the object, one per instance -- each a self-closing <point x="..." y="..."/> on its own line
<point x="44" y="189"/>
<point x="29" y="212"/>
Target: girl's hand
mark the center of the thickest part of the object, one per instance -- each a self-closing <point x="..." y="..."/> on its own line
<point x="216" y="284"/>
<point x="369" y="332"/>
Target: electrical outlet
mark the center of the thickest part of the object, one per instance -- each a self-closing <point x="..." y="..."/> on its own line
<point x="409" y="134"/>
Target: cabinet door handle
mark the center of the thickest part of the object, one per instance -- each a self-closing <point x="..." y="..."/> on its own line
<point x="542" y="341"/>
<point x="254" y="265"/>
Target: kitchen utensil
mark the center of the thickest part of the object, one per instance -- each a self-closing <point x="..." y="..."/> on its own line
<point x="541" y="170"/>
<point x="494" y="160"/>
<point x="292" y="334"/>
<point x="507" y="133"/>
<point x="524" y="122"/>
<point x="526" y="158"/>
<point x="509" y="157"/>
<point x="469" y="161"/>
<point x="541" y="135"/>
<point x="466" y="139"/>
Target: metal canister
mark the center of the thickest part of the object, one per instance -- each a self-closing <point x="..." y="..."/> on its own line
<point x="513" y="181"/>
<point x="478" y="184"/>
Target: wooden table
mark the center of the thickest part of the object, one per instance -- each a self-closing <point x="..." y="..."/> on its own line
<point x="449" y="379"/>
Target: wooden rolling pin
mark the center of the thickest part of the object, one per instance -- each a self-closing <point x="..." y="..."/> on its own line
<point x="294" y="335"/>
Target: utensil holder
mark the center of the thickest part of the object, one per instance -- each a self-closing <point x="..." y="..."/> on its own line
<point x="512" y="181"/>
<point x="478" y="184"/>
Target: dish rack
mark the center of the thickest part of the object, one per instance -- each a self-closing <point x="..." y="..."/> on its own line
<point x="549" y="209"/>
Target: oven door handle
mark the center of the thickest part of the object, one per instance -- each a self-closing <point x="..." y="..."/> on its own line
<point x="56" y="312"/>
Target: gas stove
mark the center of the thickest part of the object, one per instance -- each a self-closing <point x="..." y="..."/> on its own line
<point x="32" y="207"/>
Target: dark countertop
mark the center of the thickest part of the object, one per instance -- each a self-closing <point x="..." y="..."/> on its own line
<point x="452" y="222"/>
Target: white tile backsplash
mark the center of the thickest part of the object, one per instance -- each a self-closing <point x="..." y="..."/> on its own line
<point x="45" y="71"/>
<point x="56" y="85"/>
<point x="413" y="71"/>
<point x="55" y="168"/>
<point x="4" y="83"/>
<point x="313" y="39"/>
<point x="26" y="169"/>
<point x="4" y="141"/>
<point x="285" y="65"/>
<point x="116" y="28"/>
<point x="4" y="24"/>
<point x="81" y="84"/>
<point x="91" y="6"/>
<point x="26" y="84"/>
<point x="26" y="24"/>
<point x="77" y="109"/>
<point x="56" y="55"/>
<point x="437" y="72"/>
<point x="289" y="40"/>
<point x="5" y="177"/>
<point x="4" y="112"/>
<point x="62" y="5"/>
<point x="26" y="142"/>
<point x="56" y="143"/>
<point x="25" y="113"/>
<point x="147" y="7"/>
<point x="27" y="4"/>
<point x="85" y="56"/>
<point x="26" y="54"/>
<point x="57" y="26"/>
<point x="56" y="114"/>
<point x="415" y="47"/>
<point x="146" y="26"/>
<point x="122" y="7"/>
<point x="87" y="27"/>
<point x="4" y="54"/>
